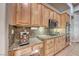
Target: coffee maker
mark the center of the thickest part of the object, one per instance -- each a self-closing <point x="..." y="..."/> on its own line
<point x="24" y="38"/>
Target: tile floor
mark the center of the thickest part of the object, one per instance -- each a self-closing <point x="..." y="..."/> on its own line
<point x="72" y="50"/>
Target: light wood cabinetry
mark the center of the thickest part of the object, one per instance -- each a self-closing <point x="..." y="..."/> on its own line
<point x="28" y="50"/>
<point x="25" y="51"/>
<point x="67" y="17"/>
<point x="55" y="15"/>
<point x="59" y="43"/>
<point x="51" y="15"/>
<point x="59" y="20"/>
<point x="19" y="14"/>
<point x="45" y="16"/>
<point x="34" y="14"/>
<point x="48" y="47"/>
<point x="23" y="14"/>
<point x="63" y="21"/>
<point x="11" y="11"/>
<point x="36" y="17"/>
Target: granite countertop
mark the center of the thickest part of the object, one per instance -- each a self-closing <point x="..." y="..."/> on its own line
<point x="32" y="41"/>
<point x="47" y="37"/>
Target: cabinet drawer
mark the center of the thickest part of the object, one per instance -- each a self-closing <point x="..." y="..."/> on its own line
<point x="25" y="51"/>
<point x="38" y="46"/>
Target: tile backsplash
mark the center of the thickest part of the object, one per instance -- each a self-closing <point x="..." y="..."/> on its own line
<point x="34" y="31"/>
<point x="38" y="31"/>
<point x="14" y="33"/>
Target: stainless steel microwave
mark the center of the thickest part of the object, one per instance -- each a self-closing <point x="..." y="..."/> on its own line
<point x="52" y="23"/>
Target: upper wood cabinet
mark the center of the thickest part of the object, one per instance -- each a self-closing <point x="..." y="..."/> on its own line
<point x="63" y="21"/>
<point x="55" y="15"/>
<point x="36" y="14"/>
<point x="11" y="11"/>
<point x="23" y="14"/>
<point x="51" y="15"/>
<point x="58" y="19"/>
<point x="67" y="17"/>
<point x="45" y="16"/>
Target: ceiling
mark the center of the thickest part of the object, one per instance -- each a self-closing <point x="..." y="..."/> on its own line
<point x="62" y="6"/>
<point x="75" y="4"/>
<point x="59" y="6"/>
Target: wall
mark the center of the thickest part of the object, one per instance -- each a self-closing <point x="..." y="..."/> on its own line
<point x="2" y="29"/>
<point x="75" y="26"/>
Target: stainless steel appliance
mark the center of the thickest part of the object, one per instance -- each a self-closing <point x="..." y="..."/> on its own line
<point x="52" y="23"/>
<point x="24" y="38"/>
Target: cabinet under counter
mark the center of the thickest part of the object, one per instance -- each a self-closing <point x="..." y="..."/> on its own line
<point x="35" y="46"/>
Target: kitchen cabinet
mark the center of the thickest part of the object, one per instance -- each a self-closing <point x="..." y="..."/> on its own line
<point x="45" y="16"/>
<point x="59" y="43"/>
<point x="63" y="21"/>
<point x="67" y="17"/>
<point x="23" y="14"/>
<point x="59" y="20"/>
<point x="19" y="14"/>
<point x="27" y="51"/>
<point x="48" y="47"/>
<point x="51" y="15"/>
<point x="36" y="14"/>
<point x="11" y="11"/>
<point x="62" y="42"/>
<point x="55" y="15"/>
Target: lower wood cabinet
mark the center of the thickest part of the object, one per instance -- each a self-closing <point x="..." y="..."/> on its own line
<point x="59" y="43"/>
<point x="48" y="48"/>
<point x="28" y="50"/>
<point x="25" y="51"/>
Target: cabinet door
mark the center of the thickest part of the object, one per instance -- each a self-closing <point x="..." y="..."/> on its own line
<point x="58" y="19"/>
<point x="63" y="21"/>
<point x="49" y="47"/>
<point x="51" y="15"/>
<point x="55" y="15"/>
<point x="11" y="10"/>
<point x="18" y="14"/>
<point x="57" y="45"/>
<point x="36" y="14"/>
<point x="45" y="16"/>
<point x="67" y="17"/>
<point x="23" y="14"/>
<point x="64" y="42"/>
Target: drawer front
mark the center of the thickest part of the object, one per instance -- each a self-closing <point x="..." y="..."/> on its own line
<point x="26" y="51"/>
<point x="38" y="46"/>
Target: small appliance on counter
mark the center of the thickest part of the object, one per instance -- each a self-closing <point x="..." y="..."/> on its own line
<point x="52" y="23"/>
<point x="24" y="38"/>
